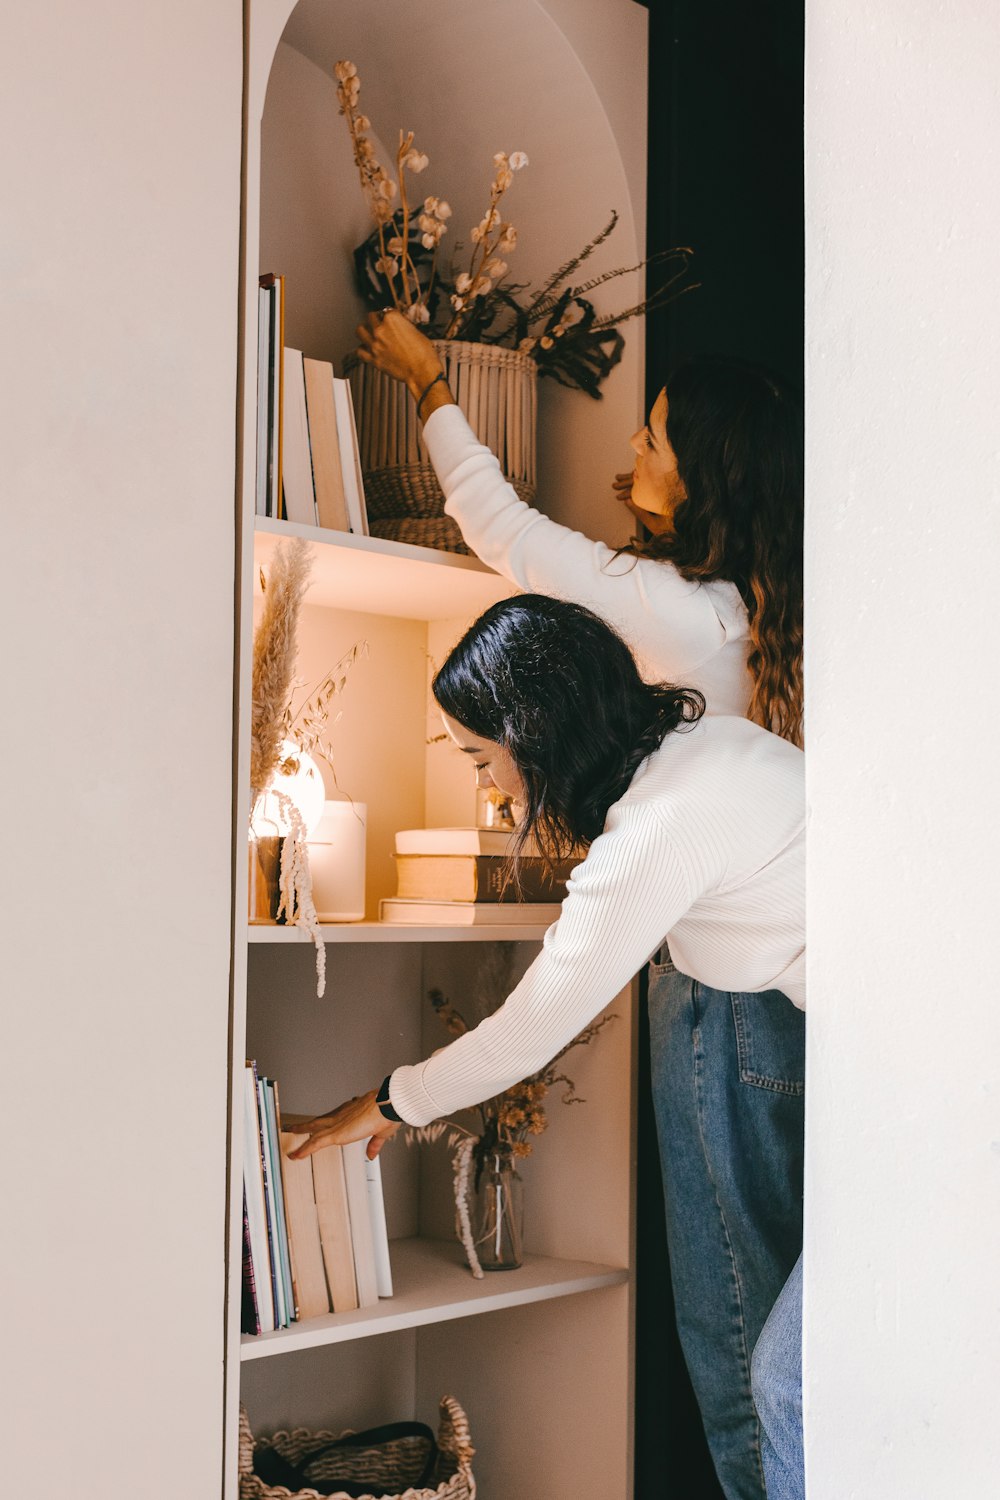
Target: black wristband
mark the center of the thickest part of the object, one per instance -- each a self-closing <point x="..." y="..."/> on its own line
<point x="428" y="388"/>
<point x="385" y="1103"/>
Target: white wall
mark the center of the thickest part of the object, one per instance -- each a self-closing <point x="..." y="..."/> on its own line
<point x="119" y="267"/>
<point x="903" y="553"/>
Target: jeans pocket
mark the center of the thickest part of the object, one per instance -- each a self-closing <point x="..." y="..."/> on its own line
<point x="661" y="963"/>
<point x="770" y="1042"/>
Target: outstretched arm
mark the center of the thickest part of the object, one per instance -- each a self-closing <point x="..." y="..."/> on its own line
<point x="393" y="345"/>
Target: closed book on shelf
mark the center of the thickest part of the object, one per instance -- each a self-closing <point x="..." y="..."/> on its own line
<point x="264" y="299"/>
<point x="479" y="877"/>
<point x="296" y="462"/>
<point x="334" y="1218"/>
<point x="249" y="1319"/>
<point x="275" y="288"/>
<point x="278" y="1186"/>
<point x="380" y="1233"/>
<point x="324" y="445"/>
<point x="350" y="457"/>
<point x="303" y="1229"/>
<point x="457" y="841"/>
<point x="282" y="1313"/>
<point x="253" y="1183"/>
<point x="469" y="913"/>
<point x="361" y="1223"/>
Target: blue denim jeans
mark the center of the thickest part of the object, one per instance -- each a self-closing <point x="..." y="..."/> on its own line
<point x="776" y="1374"/>
<point x="728" y="1090"/>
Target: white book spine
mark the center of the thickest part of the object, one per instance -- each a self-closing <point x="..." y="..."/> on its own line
<point x="361" y="1223"/>
<point x="380" y="1233"/>
<point x="350" y="458"/>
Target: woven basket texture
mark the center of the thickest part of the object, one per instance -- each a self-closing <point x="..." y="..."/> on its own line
<point x="440" y="532"/>
<point x="495" y="388"/>
<point x="388" y="1465"/>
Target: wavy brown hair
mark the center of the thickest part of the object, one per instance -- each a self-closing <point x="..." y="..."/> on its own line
<point x="737" y="433"/>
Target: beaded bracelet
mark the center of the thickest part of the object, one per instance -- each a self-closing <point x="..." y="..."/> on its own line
<point x="428" y="388"/>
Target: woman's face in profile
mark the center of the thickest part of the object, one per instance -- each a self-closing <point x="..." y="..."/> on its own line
<point x="657" y="487"/>
<point x="494" y="766"/>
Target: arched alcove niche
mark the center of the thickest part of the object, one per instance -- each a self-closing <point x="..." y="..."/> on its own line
<point x="468" y="80"/>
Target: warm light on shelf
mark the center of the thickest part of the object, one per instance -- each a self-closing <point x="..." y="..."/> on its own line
<point x="298" y="778"/>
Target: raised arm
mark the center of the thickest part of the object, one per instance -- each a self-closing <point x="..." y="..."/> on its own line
<point x="665" y="618"/>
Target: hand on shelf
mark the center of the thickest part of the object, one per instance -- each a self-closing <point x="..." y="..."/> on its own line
<point x="356" y="1120"/>
<point x="622" y="486"/>
<point x="393" y="345"/>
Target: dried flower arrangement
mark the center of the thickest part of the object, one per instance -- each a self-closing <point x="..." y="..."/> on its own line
<point x="398" y="266"/>
<point x="281" y="734"/>
<point x="505" y="1126"/>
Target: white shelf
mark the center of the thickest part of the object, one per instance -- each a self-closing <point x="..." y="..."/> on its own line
<point x="433" y="1285"/>
<point x="402" y="932"/>
<point x="382" y="577"/>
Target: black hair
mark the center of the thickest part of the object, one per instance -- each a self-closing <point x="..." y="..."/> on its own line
<point x="560" y="691"/>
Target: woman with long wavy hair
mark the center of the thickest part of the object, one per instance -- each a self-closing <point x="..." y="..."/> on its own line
<point x="694" y="830"/>
<point x="712" y="602"/>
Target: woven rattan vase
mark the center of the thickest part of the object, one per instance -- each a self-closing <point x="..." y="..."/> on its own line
<point x="496" y="389"/>
<point x="385" y="1469"/>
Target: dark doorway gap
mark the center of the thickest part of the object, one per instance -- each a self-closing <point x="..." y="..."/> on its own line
<point x="725" y="176"/>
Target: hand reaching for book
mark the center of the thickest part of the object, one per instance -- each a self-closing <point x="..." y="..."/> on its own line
<point x="355" y="1120"/>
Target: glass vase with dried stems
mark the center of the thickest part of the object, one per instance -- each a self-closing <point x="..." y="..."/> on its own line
<point x="485" y="1153"/>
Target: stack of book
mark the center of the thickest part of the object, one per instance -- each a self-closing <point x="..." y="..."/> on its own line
<point x="308" y="459"/>
<point x="462" y="877"/>
<point x="314" y="1230"/>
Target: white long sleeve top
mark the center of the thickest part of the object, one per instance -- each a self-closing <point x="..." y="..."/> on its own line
<point x="705" y="849"/>
<point x="688" y="633"/>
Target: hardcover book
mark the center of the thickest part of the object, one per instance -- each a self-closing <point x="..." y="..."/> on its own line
<point x="469" y="913"/>
<point x="303" y="1230"/>
<point x="479" y="877"/>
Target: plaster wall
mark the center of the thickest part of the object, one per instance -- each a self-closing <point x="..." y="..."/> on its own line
<point x="903" y="552"/>
<point x="118" y="261"/>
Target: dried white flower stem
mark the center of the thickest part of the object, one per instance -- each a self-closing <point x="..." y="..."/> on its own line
<point x="295" y="885"/>
<point x="461" y="1164"/>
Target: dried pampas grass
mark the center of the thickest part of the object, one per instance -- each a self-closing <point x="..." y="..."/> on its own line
<point x="274" y="658"/>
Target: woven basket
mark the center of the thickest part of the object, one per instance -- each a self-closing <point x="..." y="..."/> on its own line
<point x="495" y="388"/>
<point x="385" y="1466"/>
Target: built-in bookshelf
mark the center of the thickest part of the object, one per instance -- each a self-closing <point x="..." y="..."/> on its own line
<point x="540" y="1358"/>
<point x="432" y="1286"/>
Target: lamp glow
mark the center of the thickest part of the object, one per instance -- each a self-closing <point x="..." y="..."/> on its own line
<point x="298" y="778"/>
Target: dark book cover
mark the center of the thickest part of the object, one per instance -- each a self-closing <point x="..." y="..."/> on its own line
<point x="249" y="1318"/>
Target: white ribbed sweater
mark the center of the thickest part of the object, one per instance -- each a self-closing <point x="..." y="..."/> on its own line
<point x="705" y="848"/>
<point x="694" y="634"/>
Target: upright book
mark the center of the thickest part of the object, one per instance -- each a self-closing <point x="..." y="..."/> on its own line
<point x="253" y="1183"/>
<point x="274" y="287"/>
<point x="335" y="1227"/>
<point x="362" y="1237"/>
<point x="350" y="457"/>
<point x="324" y="445"/>
<point x="296" y="459"/>
<point x="303" y="1229"/>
